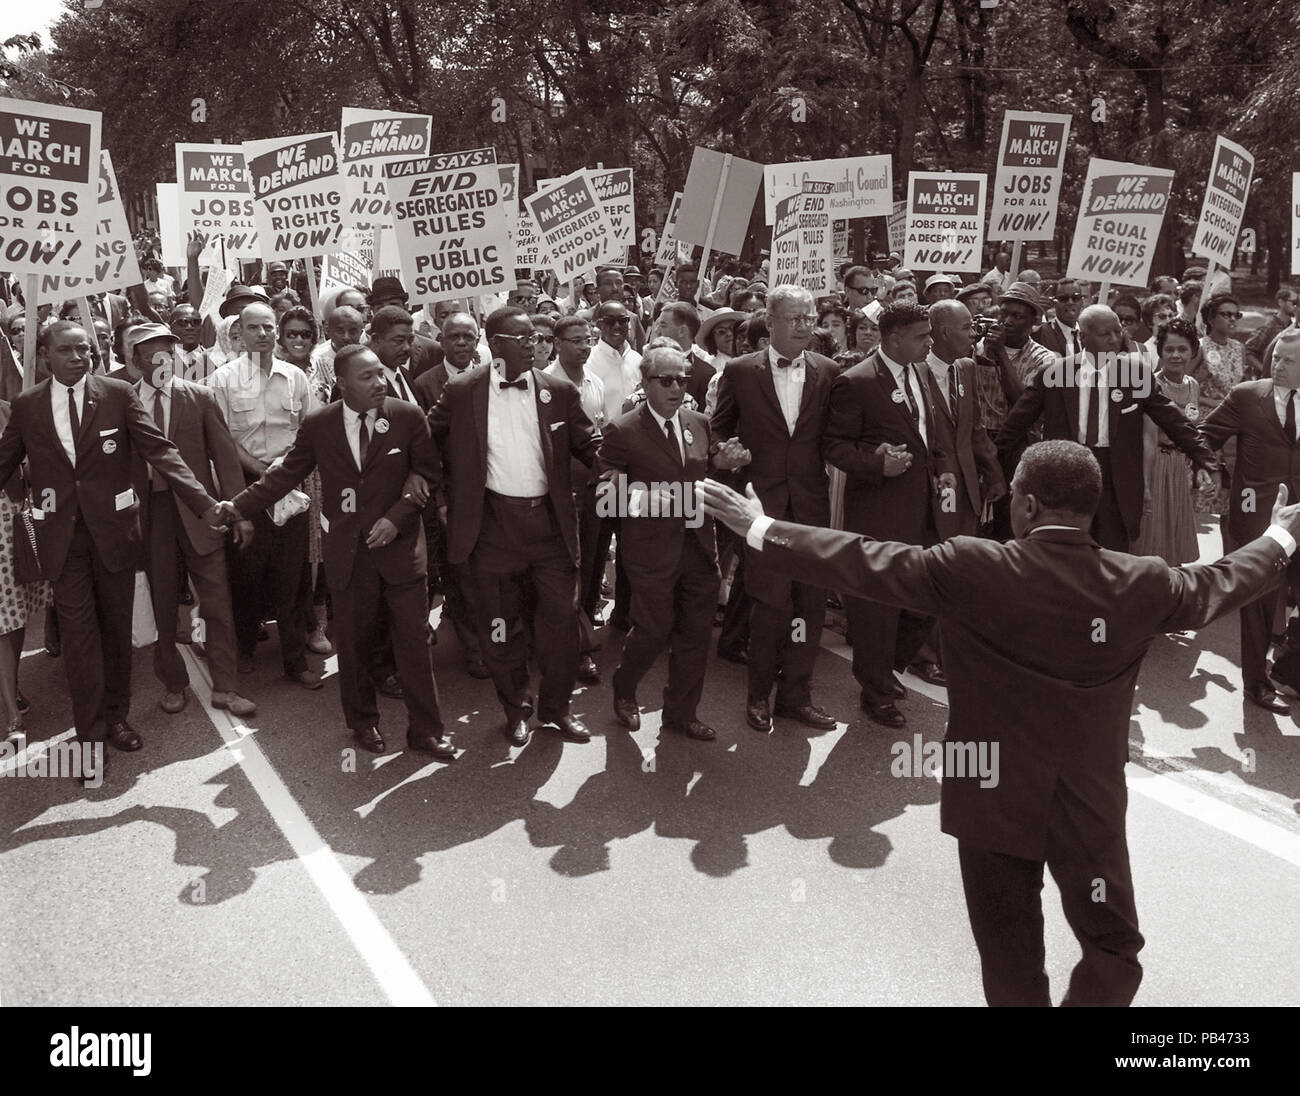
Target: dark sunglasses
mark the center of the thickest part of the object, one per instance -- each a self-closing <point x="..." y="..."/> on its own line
<point x="675" y="380"/>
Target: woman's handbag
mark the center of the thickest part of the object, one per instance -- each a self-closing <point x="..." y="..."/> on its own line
<point x="27" y="560"/>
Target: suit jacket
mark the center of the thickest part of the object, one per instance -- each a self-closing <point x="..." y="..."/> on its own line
<point x="634" y="445"/>
<point x="701" y="373"/>
<point x="1047" y="395"/>
<point x="1049" y="335"/>
<point x="425" y="354"/>
<point x="428" y="385"/>
<point x="1265" y="457"/>
<point x="1018" y="623"/>
<point x="967" y="450"/>
<point x="114" y="427"/>
<point x="787" y="470"/>
<point x="353" y="499"/>
<point x="863" y="414"/>
<point x="459" y="422"/>
<point x="198" y="429"/>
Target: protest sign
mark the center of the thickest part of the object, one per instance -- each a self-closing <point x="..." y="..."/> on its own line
<point x="717" y="201"/>
<point x="896" y="223"/>
<point x="167" y="196"/>
<point x="671" y="249"/>
<point x="1224" y="204"/>
<point x="574" y="227"/>
<point x="945" y="221"/>
<point x="116" y="265"/>
<point x="297" y="194"/>
<point x="215" y="198"/>
<point x="816" y="263"/>
<point x="1027" y="187"/>
<point x="840" y="241"/>
<point x="1295" y="223"/>
<point x="49" y="180"/>
<point x="345" y="270"/>
<point x="214" y="292"/>
<point x="784" y="265"/>
<point x="614" y="189"/>
<point x="372" y="138"/>
<point x="449" y="225"/>
<point x="864" y="185"/>
<point x="1119" y="220"/>
<point x="508" y="175"/>
<point x="528" y="243"/>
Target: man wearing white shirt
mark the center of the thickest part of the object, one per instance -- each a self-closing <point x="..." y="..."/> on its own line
<point x="1000" y="277"/>
<point x="612" y="360"/>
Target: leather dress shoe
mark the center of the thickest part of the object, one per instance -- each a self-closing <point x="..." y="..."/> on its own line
<point x="588" y="671"/>
<point x="1263" y="696"/>
<point x="171" y="703"/>
<point x="625" y="711"/>
<point x="477" y="669"/>
<point x="318" y="643"/>
<point x="694" y="729"/>
<point x="239" y="706"/>
<point x="809" y="715"/>
<point x="438" y="745"/>
<point x="931" y="672"/>
<point x="896" y="688"/>
<point x="883" y="713"/>
<point x="369" y="738"/>
<point x="572" y="729"/>
<point x="759" y="716"/>
<point x="122" y="736"/>
<point x="518" y="732"/>
<point x="740" y="658"/>
<point x="308" y="679"/>
<point x="390" y="687"/>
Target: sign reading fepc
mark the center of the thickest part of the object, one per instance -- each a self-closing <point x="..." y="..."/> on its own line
<point x="297" y="194"/>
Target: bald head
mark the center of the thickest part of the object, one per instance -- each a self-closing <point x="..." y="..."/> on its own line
<point x="1100" y="330"/>
<point x="257" y="329"/>
<point x="950" y="330"/>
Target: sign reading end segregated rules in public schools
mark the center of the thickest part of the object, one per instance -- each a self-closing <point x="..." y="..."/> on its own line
<point x="450" y="225"/>
<point x="297" y="194"/>
<point x="1119" y="221"/>
<point x="945" y="221"/>
<point x="1224" y="205"/>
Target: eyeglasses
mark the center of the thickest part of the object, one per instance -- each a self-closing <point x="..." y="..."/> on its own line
<point x="861" y="288"/>
<point x="546" y="338"/>
<point x="297" y="334"/>
<point x="1128" y="319"/>
<point x="619" y="321"/>
<point x="672" y="380"/>
<point x="1065" y="297"/>
<point x="797" y="321"/>
<point x="523" y="340"/>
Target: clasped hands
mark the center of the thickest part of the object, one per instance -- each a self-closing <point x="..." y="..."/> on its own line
<point x="224" y="515"/>
<point x="730" y="454"/>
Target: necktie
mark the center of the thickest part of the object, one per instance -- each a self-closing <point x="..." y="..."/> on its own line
<point x="1074" y="342"/>
<point x="398" y="388"/>
<point x="73" y="418"/>
<point x="911" y="397"/>
<point x="518" y="382"/>
<point x="363" y="446"/>
<point x="1290" y="417"/>
<point x="672" y="437"/>
<point x="783" y="363"/>
<point x="159" y="484"/>
<point x="952" y="389"/>
<point x="1094" y="411"/>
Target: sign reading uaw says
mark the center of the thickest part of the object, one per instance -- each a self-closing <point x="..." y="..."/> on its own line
<point x="297" y="194"/>
<point x="214" y="197"/>
<point x="450" y="225"/>
<point x="49" y="178"/>
<point x="1027" y="186"/>
<point x="945" y="221"/>
<point x="1119" y="220"/>
<point x="1225" y="202"/>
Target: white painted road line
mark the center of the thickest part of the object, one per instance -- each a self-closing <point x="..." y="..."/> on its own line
<point x="387" y="963"/>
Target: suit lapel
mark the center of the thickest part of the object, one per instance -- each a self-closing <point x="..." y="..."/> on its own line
<point x="543" y="416"/>
<point x="480" y="399"/>
<point x="812" y="375"/>
<point x="89" y="407"/>
<point x="1268" y="408"/>
<point x="885" y="377"/>
<point x="768" y="386"/>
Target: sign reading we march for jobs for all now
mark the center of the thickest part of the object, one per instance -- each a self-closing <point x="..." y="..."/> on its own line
<point x="1027" y="186"/>
<point x="945" y="221"/>
<point x="214" y="197"/>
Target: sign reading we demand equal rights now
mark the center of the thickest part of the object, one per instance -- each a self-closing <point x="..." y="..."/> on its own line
<point x="1119" y="221"/>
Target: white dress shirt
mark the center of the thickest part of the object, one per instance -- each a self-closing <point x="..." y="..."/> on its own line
<point x="591" y="392"/>
<point x="901" y="379"/>
<point x="1093" y="384"/>
<point x="1071" y="337"/>
<point x="62" y="421"/>
<point x="352" y="428"/>
<point x="398" y="384"/>
<point x="515" y="465"/>
<point x="789" y="384"/>
<point x="149" y="395"/>
<point x="939" y="369"/>
<point x="619" y="373"/>
<point x="676" y="420"/>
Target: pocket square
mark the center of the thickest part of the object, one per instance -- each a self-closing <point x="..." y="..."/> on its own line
<point x="391" y="452"/>
<point x="105" y="433"/>
<point x="555" y="426"/>
<point x="1130" y="407"/>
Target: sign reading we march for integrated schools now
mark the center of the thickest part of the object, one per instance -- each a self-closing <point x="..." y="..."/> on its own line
<point x="49" y="177"/>
<point x="214" y="197"/>
<point x="1119" y="220"/>
<point x="297" y="194"/>
<point x="450" y="225"/>
<point x="1027" y="186"/>
<point x="1224" y="204"/>
<point x="945" y="221"/>
<point x="116" y="265"/>
<point x="576" y="233"/>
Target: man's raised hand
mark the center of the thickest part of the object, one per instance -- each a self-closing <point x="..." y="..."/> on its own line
<point x="737" y="512"/>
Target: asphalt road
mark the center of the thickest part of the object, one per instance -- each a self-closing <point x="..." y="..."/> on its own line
<point x="231" y="864"/>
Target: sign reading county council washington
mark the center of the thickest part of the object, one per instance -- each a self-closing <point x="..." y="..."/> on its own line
<point x="372" y="138"/>
<point x="1119" y="220"/>
<point x="49" y="178"/>
<point x="297" y="194"/>
<point x="1225" y="202"/>
<point x="1027" y="186"/>
<point x="450" y="225"/>
<point x="116" y="265"/>
<point x="214" y="197"/>
<point x="863" y="185"/>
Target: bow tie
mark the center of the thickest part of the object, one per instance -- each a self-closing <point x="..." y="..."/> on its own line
<point x="783" y="363"/>
<point x="519" y="382"/>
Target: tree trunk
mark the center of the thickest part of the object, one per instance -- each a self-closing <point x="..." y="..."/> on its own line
<point x="1273" y="234"/>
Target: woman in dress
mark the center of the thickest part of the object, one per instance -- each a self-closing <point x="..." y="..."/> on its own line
<point x="1168" y="518"/>
<point x="1220" y="365"/>
<point x="18" y="602"/>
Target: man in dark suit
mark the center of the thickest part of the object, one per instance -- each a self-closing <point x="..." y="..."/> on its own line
<point x="80" y="433"/>
<point x="969" y="455"/>
<point x="190" y="418"/>
<point x="1062" y="335"/>
<point x="1261" y="415"/>
<point x="882" y="433"/>
<point x="424" y="353"/>
<point x="681" y="323"/>
<point x="365" y="445"/>
<point x="652" y="456"/>
<point x="507" y="432"/>
<point x="773" y="404"/>
<point x="1039" y="708"/>
<point x="1069" y="396"/>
